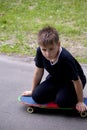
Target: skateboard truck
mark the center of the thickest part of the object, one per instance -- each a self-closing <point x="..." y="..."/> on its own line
<point x="30" y="110"/>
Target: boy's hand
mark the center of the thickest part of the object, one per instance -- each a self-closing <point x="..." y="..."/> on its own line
<point x="81" y="106"/>
<point x="27" y="93"/>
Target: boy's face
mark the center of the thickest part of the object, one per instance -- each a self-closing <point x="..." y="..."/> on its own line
<point x="50" y="52"/>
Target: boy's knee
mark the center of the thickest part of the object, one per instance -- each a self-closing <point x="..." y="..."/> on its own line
<point x="36" y="97"/>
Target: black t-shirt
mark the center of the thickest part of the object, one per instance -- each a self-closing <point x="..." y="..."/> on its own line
<point x="66" y="69"/>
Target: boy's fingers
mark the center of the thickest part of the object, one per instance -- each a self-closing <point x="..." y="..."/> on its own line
<point x="24" y="93"/>
<point x="81" y="107"/>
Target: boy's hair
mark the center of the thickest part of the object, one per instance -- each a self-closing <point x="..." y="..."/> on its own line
<point x="47" y="36"/>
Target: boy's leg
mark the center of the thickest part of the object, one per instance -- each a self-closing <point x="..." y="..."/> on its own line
<point x="45" y="92"/>
<point x="66" y="97"/>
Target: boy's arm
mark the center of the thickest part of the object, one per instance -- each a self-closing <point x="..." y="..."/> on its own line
<point x="80" y="106"/>
<point x="38" y="73"/>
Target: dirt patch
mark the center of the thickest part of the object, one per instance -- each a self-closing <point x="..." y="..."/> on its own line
<point x="75" y="47"/>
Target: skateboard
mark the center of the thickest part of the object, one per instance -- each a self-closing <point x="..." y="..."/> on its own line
<point x="31" y="105"/>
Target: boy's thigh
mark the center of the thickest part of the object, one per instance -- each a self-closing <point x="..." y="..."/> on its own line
<point x="45" y="92"/>
<point x="66" y="97"/>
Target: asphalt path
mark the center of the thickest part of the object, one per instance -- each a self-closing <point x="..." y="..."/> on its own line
<point x="16" y="77"/>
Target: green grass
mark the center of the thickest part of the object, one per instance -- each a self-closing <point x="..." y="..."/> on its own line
<point x="20" y="21"/>
<point x="82" y="60"/>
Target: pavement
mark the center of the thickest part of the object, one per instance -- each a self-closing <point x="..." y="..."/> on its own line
<point x="15" y="77"/>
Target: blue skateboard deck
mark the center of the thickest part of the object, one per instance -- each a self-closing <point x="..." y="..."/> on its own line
<point x="28" y="101"/>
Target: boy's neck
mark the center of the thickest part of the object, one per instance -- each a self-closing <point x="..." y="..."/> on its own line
<point x="53" y="61"/>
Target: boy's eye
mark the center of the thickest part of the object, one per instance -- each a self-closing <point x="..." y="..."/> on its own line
<point x="43" y="49"/>
<point x="51" y="49"/>
<point x="46" y="49"/>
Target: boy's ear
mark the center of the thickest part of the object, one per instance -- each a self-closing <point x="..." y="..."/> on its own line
<point x="58" y="43"/>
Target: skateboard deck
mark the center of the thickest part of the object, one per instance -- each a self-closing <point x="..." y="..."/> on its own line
<point x="31" y="104"/>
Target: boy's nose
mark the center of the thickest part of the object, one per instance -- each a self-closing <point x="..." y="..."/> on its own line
<point x="47" y="54"/>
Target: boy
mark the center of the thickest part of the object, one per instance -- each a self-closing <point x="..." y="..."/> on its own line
<point x="66" y="79"/>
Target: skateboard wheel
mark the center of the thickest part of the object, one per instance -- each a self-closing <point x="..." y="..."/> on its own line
<point x="83" y="114"/>
<point x="30" y="110"/>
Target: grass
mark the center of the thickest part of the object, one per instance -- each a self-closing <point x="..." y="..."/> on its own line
<point x="82" y="60"/>
<point x="20" y="21"/>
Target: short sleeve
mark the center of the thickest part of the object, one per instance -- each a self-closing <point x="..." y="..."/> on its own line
<point x="72" y="70"/>
<point x="39" y="58"/>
